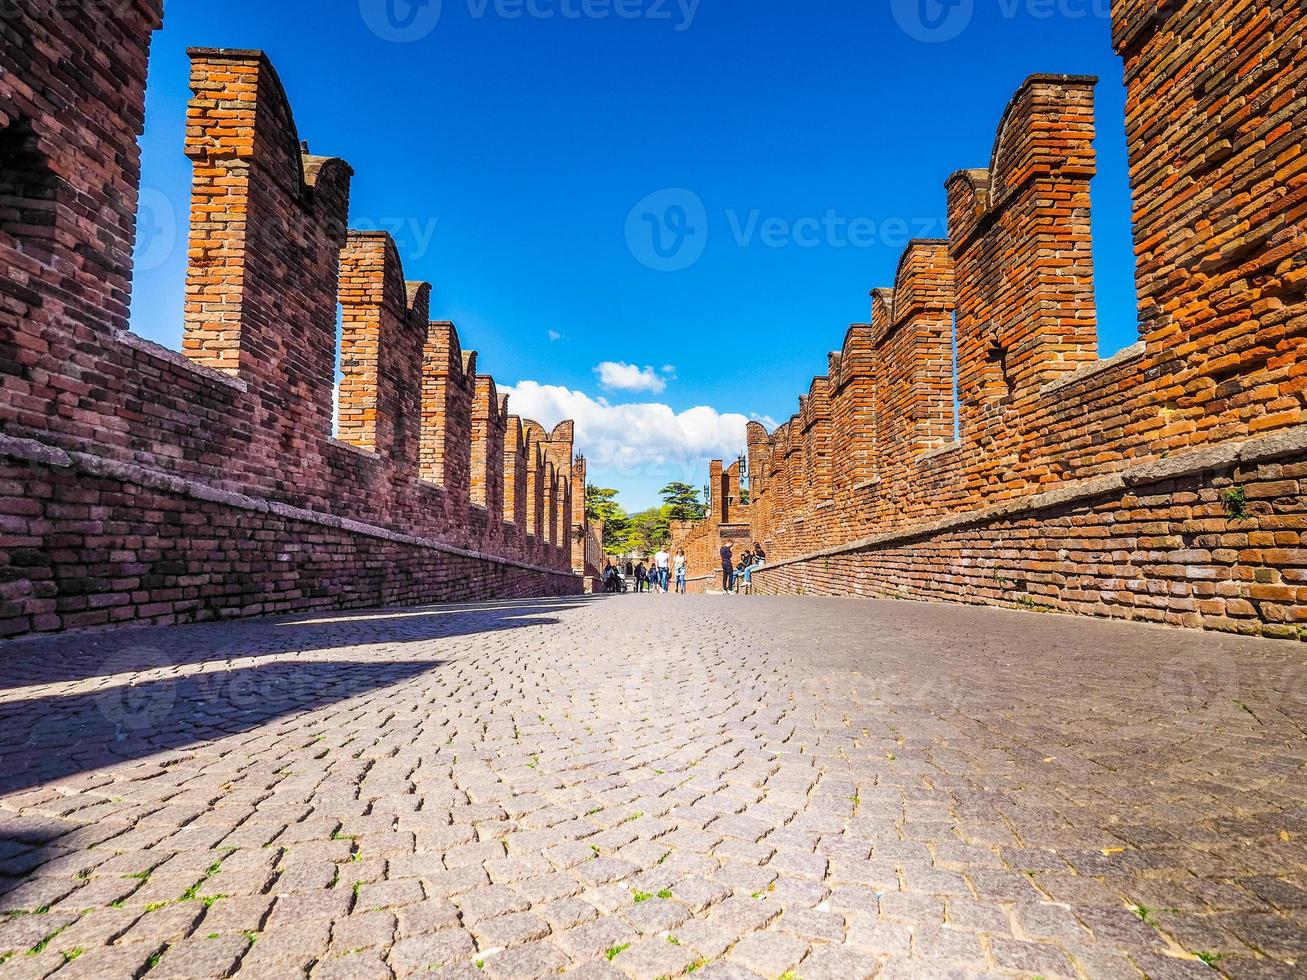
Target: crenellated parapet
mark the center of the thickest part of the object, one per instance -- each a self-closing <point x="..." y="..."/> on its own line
<point x="245" y="430"/>
<point x="1111" y="487"/>
<point x="383" y="331"/>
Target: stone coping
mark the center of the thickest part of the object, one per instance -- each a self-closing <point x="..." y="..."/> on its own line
<point x="1092" y="368"/>
<point x="178" y="359"/>
<point x="33" y="451"/>
<point x="1202" y="460"/>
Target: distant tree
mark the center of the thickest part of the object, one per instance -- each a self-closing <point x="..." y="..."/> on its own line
<point x="601" y="505"/>
<point x="682" y="502"/>
<point x="651" y="529"/>
<point x="744" y="495"/>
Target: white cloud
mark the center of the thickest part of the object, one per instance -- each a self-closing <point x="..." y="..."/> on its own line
<point x="554" y="335"/>
<point x="636" y="439"/>
<point x="620" y="376"/>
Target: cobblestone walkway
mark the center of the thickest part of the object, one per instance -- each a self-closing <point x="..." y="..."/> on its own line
<point x="648" y="787"/>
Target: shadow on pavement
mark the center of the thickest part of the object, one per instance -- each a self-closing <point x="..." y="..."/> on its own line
<point x="87" y="655"/>
<point x="47" y="738"/>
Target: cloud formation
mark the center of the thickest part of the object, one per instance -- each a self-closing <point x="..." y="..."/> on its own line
<point x="620" y="376"/>
<point x="648" y="439"/>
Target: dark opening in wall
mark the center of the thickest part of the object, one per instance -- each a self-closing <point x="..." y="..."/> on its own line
<point x="29" y="192"/>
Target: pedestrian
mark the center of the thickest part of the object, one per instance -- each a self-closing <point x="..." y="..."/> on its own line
<point x="641" y="577"/>
<point x="744" y="578"/>
<point x="679" y="564"/>
<point x="728" y="568"/>
<point x="610" y="578"/>
<point x="662" y="563"/>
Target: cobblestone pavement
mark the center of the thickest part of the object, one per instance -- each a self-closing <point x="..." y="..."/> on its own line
<point x="653" y="786"/>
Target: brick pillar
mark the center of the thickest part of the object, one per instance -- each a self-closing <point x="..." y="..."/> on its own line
<point x="446" y="450"/>
<point x="1215" y="123"/>
<point x="536" y="475"/>
<point x="1020" y="239"/>
<point x="721" y="509"/>
<point x="70" y="116"/>
<point x="819" y="488"/>
<point x="487" y="476"/>
<point x="853" y="429"/>
<point x="759" y="483"/>
<point x="383" y="330"/>
<point x="267" y="227"/>
<point x="924" y="302"/>
<point x="576" y="506"/>
<point x="516" y="517"/>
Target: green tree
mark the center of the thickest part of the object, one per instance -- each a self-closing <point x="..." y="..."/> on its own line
<point x="650" y="529"/>
<point x="601" y="505"/>
<point x="682" y="502"/>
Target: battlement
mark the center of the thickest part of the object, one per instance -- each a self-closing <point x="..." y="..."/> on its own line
<point x="247" y="417"/>
<point x="1214" y="123"/>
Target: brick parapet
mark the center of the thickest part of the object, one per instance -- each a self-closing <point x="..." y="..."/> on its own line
<point x="1215" y="118"/>
<point x="246" y="409"/>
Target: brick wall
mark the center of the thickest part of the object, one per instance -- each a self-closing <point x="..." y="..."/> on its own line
<point x="146" y="484"/>
<point x="1107" y="487"/>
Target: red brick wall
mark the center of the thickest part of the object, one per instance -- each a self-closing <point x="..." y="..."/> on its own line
<point x="235" y="431"/>
<point x="1215" y="125"/>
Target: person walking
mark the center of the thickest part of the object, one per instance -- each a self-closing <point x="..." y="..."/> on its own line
<point x="641" y="577"/>
<point x="728" y="568"/>
<point x="679" y="564"/>
<point x="662" y="562"/>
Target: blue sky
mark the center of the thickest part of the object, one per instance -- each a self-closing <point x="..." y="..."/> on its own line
<point x="654" y="215"/>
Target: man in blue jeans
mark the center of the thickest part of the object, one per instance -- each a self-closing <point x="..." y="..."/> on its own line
<point x="662" y="562"/>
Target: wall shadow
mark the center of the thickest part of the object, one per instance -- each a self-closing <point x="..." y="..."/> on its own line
<point x="50" y="737"/>
<point x="80" y="656"/>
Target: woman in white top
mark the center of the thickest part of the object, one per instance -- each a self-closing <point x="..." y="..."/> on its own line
<point x="679" y="563"/>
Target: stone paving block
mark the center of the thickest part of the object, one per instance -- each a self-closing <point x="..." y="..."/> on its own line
<point x="596" y="938"/>
<point x="513" y="929"/>
<point x="774" y="783"/>
<point x="367" y="965"/>
<point x="654" y="957"/>
<point x="536" y="959"/>
<point x="113" y="962"/>
<point x="432" y="951"/>
<point x="838" y="963"/>
<point x="362" y="930"/>
<point x="770" y="954"/>
<point x="201" y="958"/>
